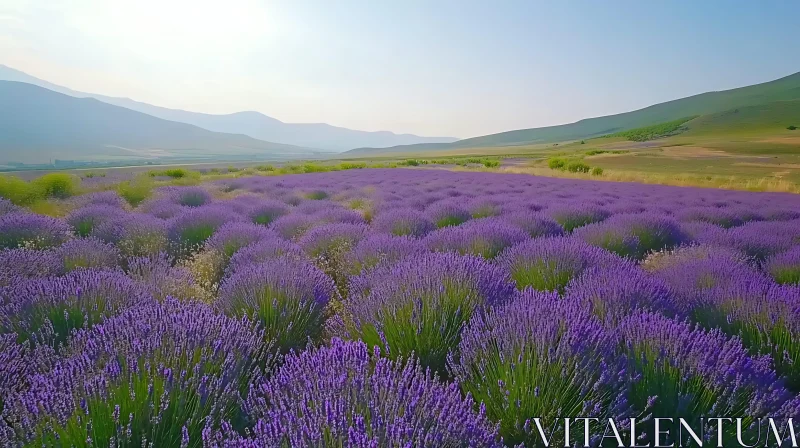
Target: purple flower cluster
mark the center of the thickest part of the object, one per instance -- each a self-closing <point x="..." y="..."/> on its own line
<point x="344" y="395"/>
<point x="471" y="302"/>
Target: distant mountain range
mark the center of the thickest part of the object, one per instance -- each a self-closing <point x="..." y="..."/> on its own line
<point x="784" y="89"/>
<point x="38" y="125"/>
<point x="254" y="124"/>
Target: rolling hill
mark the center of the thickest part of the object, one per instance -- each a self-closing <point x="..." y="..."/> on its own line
<point x="37" y="124"/>
<point x="254" y="124"/>
<point x="784" y="89"/>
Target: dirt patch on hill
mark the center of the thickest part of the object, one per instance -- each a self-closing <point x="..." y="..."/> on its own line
<point x="790" y="166"/>
<point x="782" y="140"/>
<point x="693" y="152"/>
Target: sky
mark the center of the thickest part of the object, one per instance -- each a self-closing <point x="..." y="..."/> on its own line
<point x="457" y="68"/>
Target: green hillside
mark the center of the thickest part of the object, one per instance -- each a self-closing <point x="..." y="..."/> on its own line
<point x="784" y="89"/>
<point x="762" y="118"/>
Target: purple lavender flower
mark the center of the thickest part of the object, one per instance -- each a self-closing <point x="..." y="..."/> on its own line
<point x="265" y="212"/>
<point x="485" y="237"/>
<point x="232" y="236"/>
<point x="109" y="198"/>
<point x="611" y="293"/>
<point x="687" y="372"/>
<point x="84" y="220"/>
<point x="161" y="208"/>
<point x="382" y="250"/>
<point x="288" y="296"/>
<point x="34" y="231"/>
<point x="402" y="222"/>
<point x="18" y="265"/>
<point x="758" y="240"/>
<point x="50" y="309"/>
<point x="535" y="224"/>
<point x="548" y="264"/>
<point x="447" y="213"/>
<point x="7" y="207"/>
<point x="342" y="395"/>
<point x="634" y="235"/>
<point x="187" y="196"/>
<point x="785" y="267"/>
<point x="722" y="217"/>
<point x="540" y="356"/>
<point x="135" y="234"/>
<point x="189" y="230"/>
<point x="485" y="207"/>
<point x="576" y="215"/>
<point x="421" y="304"/>
<point x="264" y="250"/>
<point x="293" y="226"/>
<point x="86" y="253"/>
<point x="157" y="274"/>
<point x="155" y="375"/>
<point x="323" y="240"/>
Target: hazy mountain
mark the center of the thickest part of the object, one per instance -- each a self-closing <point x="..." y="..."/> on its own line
<point x="37" y="124"/>
<point x="784" y="89"/>
<point x="254" y="124"/>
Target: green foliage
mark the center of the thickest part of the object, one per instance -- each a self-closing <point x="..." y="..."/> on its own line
<point x="583" y="142"/>
<point x="317" y="195"/>
<point x="265" y="168"/>
<point x="233" y="169"/>
<point x="412" y="162"/>
<point x="352" y="165"/>
<point x="597" y="171"/>
<point x="556" y="163"/>
<point x="791" y="127"/>
<point x="577" y="167"/>
<point x="52" y="185"/>
<point x="135" y="191"/>
<point x="17" y="190"/>
<point x="491" y="163"/>
<point x="655" y="131"/>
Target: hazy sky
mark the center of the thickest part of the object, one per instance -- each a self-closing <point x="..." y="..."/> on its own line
<point x="431" y="67"/>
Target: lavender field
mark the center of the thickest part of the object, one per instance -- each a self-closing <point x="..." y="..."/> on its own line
<point x="397" y="308"/>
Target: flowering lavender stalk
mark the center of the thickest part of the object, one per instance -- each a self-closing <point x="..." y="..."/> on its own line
<point x="342" y="396"/>
<point x="188" y="231"/>
<point x="548" y="264"/>
<point x="614" y="292"/>
<point x="535" y="224"/>
<point x="19" y="265"/>
<point x="187" y="196"/>
<point x="294" y="225"/>
<point x="539" y="356"/>
<point x="109" y="198"/>
<point x="33" y="231"/>
<point x="7" y="206"/>
<point x="50" y="309"/>
<point x="785" y="267"/>
<point x="485" y="237"/>
<point x="135" y="234"/>
<point x="401" y="222"/>
<point x="265" y="212"/>
<point x="447" y="213"/>
<point x="264" y="250"/>
<point x="84" y="220"/>
<point x="287" y="296"/>
<point x="382" y="250"/>
<point x="765" y="316"/>
<point x="87" y="253"/>
<point x="633" y="235"/>
<point x="421" y="304"/>
<point x="162" y="279"/>
<point x="156" y="375"/>
<point x="573" y="216"/>
<point x="232" y="236"/>
<point x="686" y="372"/>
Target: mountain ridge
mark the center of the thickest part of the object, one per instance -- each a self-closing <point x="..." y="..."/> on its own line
<point x="263" y="127"/>
<point x="39" y="124"/>
<point x="781" y="89"/>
